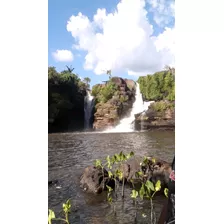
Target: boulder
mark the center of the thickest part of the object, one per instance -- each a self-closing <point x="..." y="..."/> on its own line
<point x="155" y="169"/>
<point x="94" y="180"/>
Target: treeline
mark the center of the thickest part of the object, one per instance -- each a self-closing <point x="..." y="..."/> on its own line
<point x="66" y="94"/>
<point x="159" y="86"/>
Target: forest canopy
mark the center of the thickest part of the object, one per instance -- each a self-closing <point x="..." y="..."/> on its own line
<point x="65" y="93"/>
<point x="159" y="86"/>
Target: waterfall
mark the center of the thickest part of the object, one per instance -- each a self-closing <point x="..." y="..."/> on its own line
<point x="88" y="109"/>
<point x="127" y="123"/>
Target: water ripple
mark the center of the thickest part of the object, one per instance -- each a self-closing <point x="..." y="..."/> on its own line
<point x="70" y="153"/>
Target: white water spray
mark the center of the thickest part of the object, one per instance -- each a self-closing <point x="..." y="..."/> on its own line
<point x="127" y="123"/>
<point x="88" y="109"/>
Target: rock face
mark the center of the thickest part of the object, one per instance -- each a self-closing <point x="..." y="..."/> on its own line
<point x="94" y="180"/>
<point x="155" y="169"/>
<point x="159" y="115"/>
<point x="109" y="114"/>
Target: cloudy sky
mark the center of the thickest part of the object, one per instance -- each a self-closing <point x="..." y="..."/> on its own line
<point x="131" y="37"/>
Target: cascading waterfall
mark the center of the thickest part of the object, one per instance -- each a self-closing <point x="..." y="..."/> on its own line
<point x="88" y="109"/>
<point x="127" y="123"/>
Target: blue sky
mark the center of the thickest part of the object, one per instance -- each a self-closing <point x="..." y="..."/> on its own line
<point x="59" y="38"/>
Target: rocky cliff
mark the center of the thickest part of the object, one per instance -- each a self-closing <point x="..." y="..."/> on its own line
<point x="159" y="115"/>
<point x="114" y="101"/>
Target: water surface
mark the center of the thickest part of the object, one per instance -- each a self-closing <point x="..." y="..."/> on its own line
<point x="70" y="153"/>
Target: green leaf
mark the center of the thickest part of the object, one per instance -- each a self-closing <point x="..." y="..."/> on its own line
<point x="110" y="174"/>
<point x="121" y="156"/>
<point x="145" y="160"/>
<point x="129" y="155"/>
<point x="109" y="162"/>
<point x="142" y="191"/>
<point x="139" y="174"/>
<point x="166" y="192"/>
<point x="117" y="158"/>
<point x="109" y="188"/>
<point x="66" y="206"/>
<point x="109" y="199"/>
<point x="113" y="159"/>
<point x="153" y="160"/>
<point x="149" y="185"/>
<point x="132" y="154"/>
<point x="134" y="194"/>
<point x="68" y="203"/>
<point x="119" y="174"/>
<point x="98" y="163"/>
<point x="158" y="185"/>
<point x="51" y="215"/>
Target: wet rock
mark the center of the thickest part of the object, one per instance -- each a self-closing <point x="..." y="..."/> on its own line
<point x="94" y="180"/>
<point x="155" y="169"/>
<point x="159" y="115"/>
<point x="160" y="170"/>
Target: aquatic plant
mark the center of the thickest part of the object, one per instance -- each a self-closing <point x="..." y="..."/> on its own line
<point x="147" y="189"/>
<point x="66" y="209"/>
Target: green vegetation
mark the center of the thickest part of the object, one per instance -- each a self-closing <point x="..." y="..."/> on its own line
<point x="87" y="80"/>
<point x="162" y="106"/>
<point x="146" y="191"/>
<point x="103" y="93"/>
<point x="66" y="209"/>
<point x="159" y="86"/>
<point x="65" y="94"/>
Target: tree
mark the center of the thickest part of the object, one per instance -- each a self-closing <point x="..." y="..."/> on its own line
<point x="87" y="80"/>
<point x="70" y="69"/>
<point x="52" y="72"/>
<point x="158" y="86"/>
<point x="109" y="73"/>
<point x="64" y="94"/>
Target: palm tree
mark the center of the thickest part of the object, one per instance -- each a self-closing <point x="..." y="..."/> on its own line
<point x="70" y="69"/>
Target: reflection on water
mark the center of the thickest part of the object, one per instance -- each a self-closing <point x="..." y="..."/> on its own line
<point x="70" y="153"/>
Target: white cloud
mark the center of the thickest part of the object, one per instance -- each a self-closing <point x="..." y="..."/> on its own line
<point x="163" y="11"/>
<point x="63" y="55"/>
<point x="122" y="40"/>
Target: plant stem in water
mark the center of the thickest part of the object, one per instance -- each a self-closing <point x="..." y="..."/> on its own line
<point x="123" y="188"/>
<point x="103" y="178"/>
<point x="151" y="211"/>
<point x="66" y="217"/>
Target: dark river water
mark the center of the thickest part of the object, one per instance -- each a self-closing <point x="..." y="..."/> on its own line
<point x="70" y="153"/>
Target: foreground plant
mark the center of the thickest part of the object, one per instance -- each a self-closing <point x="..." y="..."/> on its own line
<point x="66" y="209"/>
<point x="114" y="174"/>
<point x="147" y="188"/>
